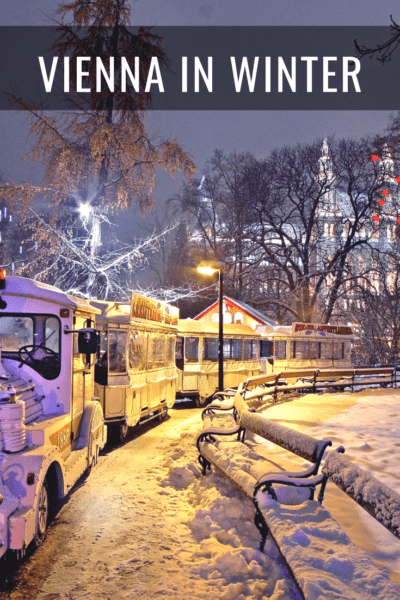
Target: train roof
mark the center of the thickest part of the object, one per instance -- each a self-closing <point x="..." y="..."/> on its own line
<point x="113" y="311"/>
<point x="192" y="326"/>
<point x="30" y="288"/>
<point x="330" y="332"/>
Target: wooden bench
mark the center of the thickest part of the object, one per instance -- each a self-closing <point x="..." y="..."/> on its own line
<point x="244" y="421"/>
<point x="317" y="552"/>
<point x="319" y="379"/>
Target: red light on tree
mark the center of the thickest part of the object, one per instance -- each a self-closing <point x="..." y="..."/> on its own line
<point x="398" y="220"/>
<point x="398" y="179"/>
<point x="381" y="202"/>
<point x="375" y="218"/>
<point x="374" y="157"/>
<point x="385" y="193"/>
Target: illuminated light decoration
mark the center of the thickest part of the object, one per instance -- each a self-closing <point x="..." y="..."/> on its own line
<point x="381" y="202"/>
<point x="398" y="220"/>
<point x="375" y="218"/>
<point x="85" y="210"/>
<point x="2" y="279"/>
<point x="385" y="193"/>
<point x="398" y="179"/>
<point x="374" y="157"/>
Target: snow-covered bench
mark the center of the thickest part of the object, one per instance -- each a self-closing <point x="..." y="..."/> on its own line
<point x="378" y="499"/>
<point x="323" y="561"/>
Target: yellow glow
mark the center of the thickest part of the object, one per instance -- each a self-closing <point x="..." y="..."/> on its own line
<point x="85" y="210"/>
<point x="207" y="270"/>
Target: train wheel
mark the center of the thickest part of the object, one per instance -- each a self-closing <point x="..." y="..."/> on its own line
<point x="163" y="414"/>
<point x="201" y="401"/>
<point x="123" y="432"/>
<point x="42" y="514"/>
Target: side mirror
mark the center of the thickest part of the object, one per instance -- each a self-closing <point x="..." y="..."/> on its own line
<point x="87" y="341"/>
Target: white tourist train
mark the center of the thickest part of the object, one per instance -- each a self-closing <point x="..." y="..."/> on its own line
<point x="51" y="426"/>
<point x="135" y="374"/>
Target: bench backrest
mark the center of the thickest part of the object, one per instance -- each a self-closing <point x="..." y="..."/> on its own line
<point x="253" y="382"/>
<point x="299" y="443"/>
<point x="375" y="497"/>
<point x="239" y="404"/>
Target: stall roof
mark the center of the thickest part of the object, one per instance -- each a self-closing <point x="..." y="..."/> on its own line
<point x="193" y="326"/>
<point x="246" y="308"/>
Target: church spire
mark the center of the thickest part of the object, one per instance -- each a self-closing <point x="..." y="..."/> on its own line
<point x="325" y="164"/>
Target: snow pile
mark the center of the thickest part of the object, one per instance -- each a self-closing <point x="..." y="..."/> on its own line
<point x="377" y="498"/>
<point x="324" y="561"/>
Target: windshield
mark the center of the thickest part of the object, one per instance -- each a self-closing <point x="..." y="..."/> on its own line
<point x="33" y="340"/>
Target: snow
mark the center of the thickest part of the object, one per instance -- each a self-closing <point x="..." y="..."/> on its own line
<point x="147" y="524"/>
<point x="321" y="556"/>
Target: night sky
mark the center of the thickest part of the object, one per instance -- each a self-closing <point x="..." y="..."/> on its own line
<point x="200" y="132"/>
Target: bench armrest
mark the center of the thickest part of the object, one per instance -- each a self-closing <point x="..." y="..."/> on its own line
<point x="211" y="408"/>
<point x="266" y="484"/>
<point x="207" y="434"/>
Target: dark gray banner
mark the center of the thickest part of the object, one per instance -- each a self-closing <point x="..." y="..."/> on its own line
<point x="209" y="68"/>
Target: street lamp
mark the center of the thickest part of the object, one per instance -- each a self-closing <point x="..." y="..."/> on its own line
<point x="207" y="270"/>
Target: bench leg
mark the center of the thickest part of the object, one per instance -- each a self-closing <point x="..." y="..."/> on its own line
<point x="205" y="464"/>
<point x="241" y="434"/>
<point x="262" y="527"/>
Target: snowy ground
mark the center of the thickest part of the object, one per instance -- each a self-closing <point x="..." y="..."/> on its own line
<point x="145" y="524"/>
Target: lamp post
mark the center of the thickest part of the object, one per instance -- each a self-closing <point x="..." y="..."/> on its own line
<point x="206" y="270"/>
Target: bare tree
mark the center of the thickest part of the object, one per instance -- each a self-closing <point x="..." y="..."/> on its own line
<point x="98" y="153"/>
<point x="289" y="227"/>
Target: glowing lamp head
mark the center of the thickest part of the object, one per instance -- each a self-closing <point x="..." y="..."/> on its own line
<point x="2" y="279"/>
<point x="85" y="210"/>
<point x="206" y="270"/>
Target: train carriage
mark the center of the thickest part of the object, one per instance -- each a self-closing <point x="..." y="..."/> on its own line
<point x="135" y="374"/>
<point x="197" y="357"/>
<point x="51" y="426"/>
<point x="305" y="345"/>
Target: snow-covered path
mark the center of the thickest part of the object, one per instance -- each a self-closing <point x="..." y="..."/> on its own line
<point x="126" y="533"/>
<point x="145" y="524"/>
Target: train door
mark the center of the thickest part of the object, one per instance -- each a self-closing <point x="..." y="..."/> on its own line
<point x="117" y="373"/>
<point x="82" y="384"/>
<point x="191" y="364"/>
<point x="179" y="362"/>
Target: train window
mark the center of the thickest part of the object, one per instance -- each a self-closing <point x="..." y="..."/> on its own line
<point x="280" y="348"/>
<point x="33" y="340"/>
<point x="347" y="350"/>
<point x="137" y="351"/>
<point x="159" y="351"/>
<point x="151" y="342"/>
<point x="255" y="349"/>
<point x="247" y="349"/>
<point x="299" y="349"/>
<point x="266" y="349"/>
<point x="325" y="350"/>
<point x="338" y="350"/>
<point x="117" y="352"/>
<point x="192" y="349"/>
<point x="179" y="348"/>
<point x="170" y="351"/>
<point x="227" y="349"/>
<point x="314" y="350"/>
<point x="210" y="349"/>
<point x="237" y="349"/>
